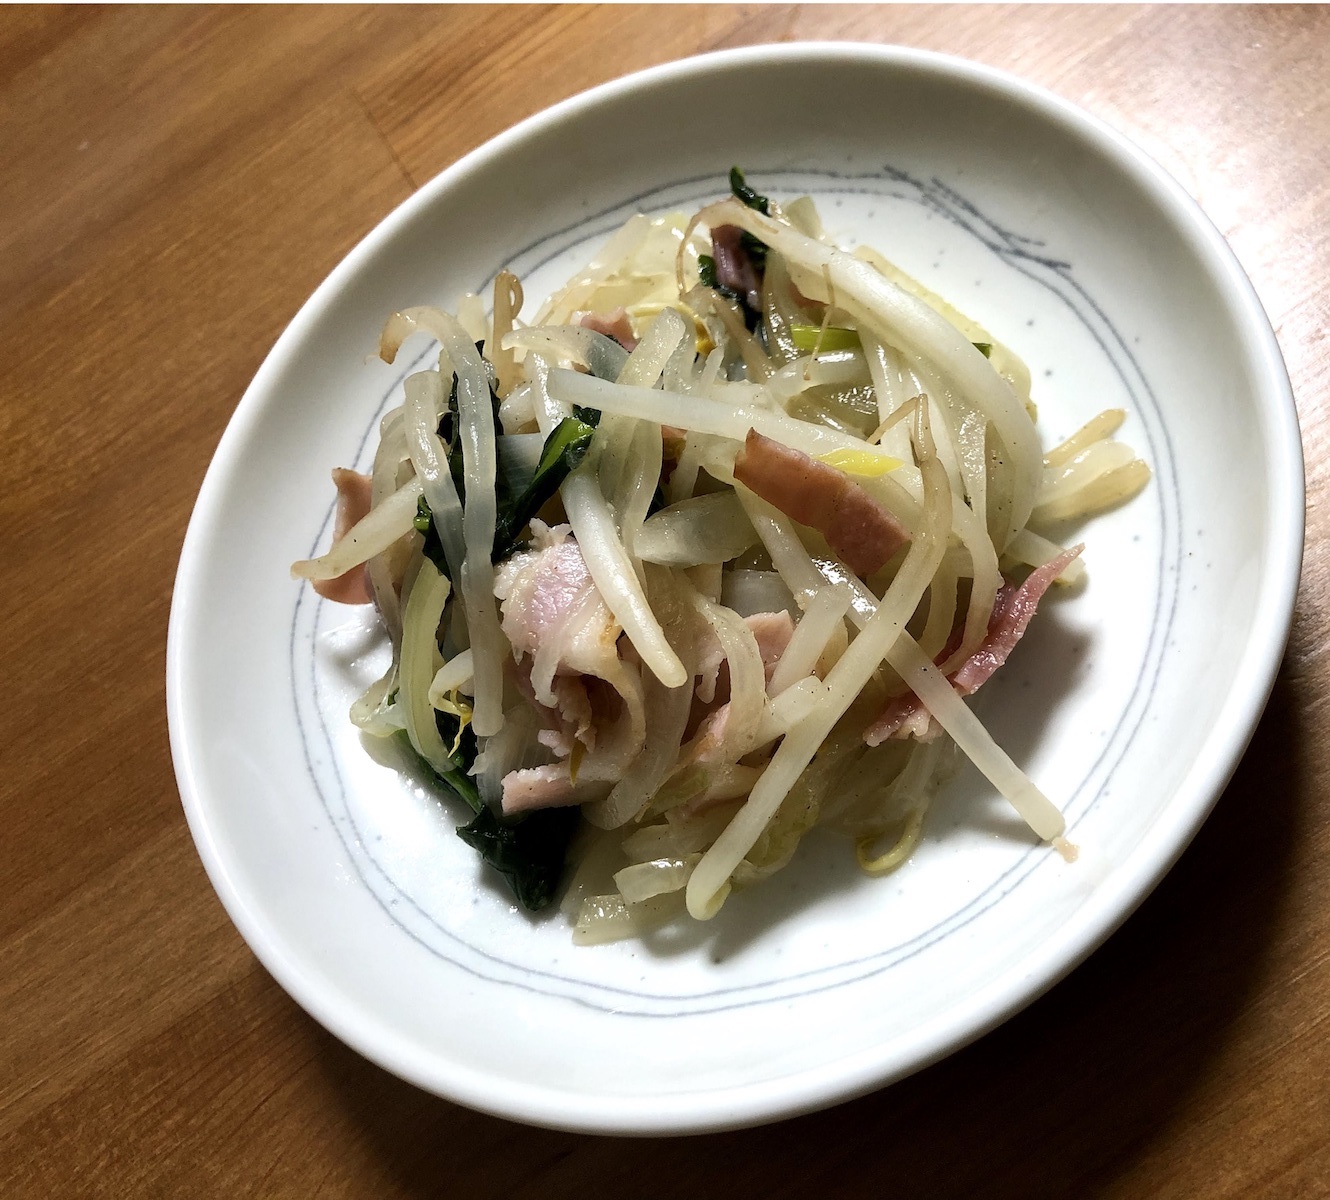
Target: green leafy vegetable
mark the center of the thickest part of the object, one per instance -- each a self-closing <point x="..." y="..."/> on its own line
<point x="746" y="195"/>
<point x="564" y="450"/>
<point x="529" y="853"/>
<point x="706" y="276"/>
<point x="456" y="778"/>
<point x="984" y="348"/>
<point x="754" y="247"/>
<point x="433" y="548"/>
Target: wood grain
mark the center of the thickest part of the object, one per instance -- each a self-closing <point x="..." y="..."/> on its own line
<point x="173" y="183"/>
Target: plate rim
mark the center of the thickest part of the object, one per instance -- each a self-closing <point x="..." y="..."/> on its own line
<point x="830" y="1082"/>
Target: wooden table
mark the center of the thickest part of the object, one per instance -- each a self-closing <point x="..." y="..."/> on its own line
<point x="173" y="184"/>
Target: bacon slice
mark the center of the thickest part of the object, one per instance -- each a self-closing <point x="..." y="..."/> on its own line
<point x="569" y="720"/>
<point x="1012" y="610"/>
<point x="553" y="611"/>
<point x="773" y="632"/>
<point x="905" y="716"/>
<point x="353" y="500"/>
<point x="613" y="325"/>
<point x="861" y="532"/>
<point x="708" y="742"/>
<point x="735" y="268"/>
<point x="568" y="667"/>
<point x="550" y="786"/>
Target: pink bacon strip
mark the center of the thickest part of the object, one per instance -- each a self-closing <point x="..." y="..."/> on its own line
<point x="1012" y="609"/>
<point x="353" y="501"/>
<point x="861" y="531"/>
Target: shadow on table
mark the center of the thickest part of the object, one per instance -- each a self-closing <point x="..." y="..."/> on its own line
<point x="1059" y="1101"/>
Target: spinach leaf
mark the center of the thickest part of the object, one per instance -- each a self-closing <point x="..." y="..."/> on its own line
<point x="456" y="778"/>
<point x="529" y="853"/>
<point x="433" y="548"/>
<point x="565" y="448"/>
<point x="755" y="248"/>
<point x="746" y="195"/>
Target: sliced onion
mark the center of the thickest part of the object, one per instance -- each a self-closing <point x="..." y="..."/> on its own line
<point x="642" y="881"/>
<point x="372" y="714"/>
<point x="455" y="674"/>
<point x="752" y="592"/>
<point x="667" y="712"/>
<point x="704" y="529"/>
<point x="748" y="679"/>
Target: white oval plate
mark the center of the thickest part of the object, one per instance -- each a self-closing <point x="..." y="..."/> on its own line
<point x="1130" y="703"/>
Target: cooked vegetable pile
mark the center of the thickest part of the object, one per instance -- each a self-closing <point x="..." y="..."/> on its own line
<point x="705" y="554"/>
